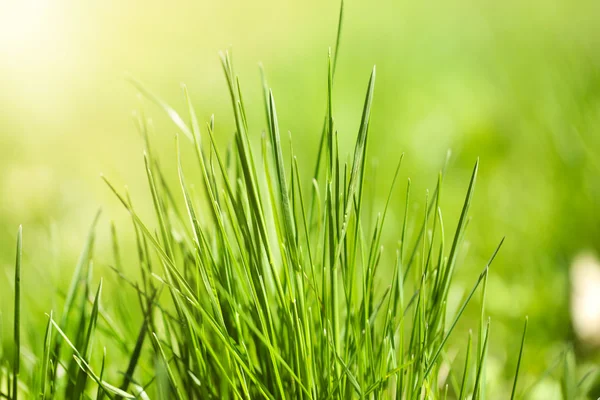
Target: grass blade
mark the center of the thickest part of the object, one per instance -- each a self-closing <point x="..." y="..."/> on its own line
<point x="481" y="362"/>
<point x="359" y="155"/>
<point x="46" y="358"/>
<point x="463" y="385"/>
<point x="88" y="343"/>
<point x="17" y="315"/>
<point x="514" y="389"/>
<point x="433" y="359"/>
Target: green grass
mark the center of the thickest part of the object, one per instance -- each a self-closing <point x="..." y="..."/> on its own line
<point x="265" y="284"/>
<point x="260" y="283"/>
<point x="492" y="81"/>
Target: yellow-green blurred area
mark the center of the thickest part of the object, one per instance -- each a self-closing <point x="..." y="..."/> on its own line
<point x="516" y="83"/>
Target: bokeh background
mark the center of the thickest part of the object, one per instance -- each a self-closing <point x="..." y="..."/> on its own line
<point x="515" y="83"/>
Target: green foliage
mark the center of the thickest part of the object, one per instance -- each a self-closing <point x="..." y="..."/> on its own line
<point x="270" y="291"/>
<point x="265" y="284"/>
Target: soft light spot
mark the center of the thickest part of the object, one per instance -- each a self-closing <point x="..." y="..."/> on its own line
<point x="585" y="298"/>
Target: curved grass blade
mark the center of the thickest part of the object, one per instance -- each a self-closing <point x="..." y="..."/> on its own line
<point x="86" y="367"/>
<point x="162" y="104"/>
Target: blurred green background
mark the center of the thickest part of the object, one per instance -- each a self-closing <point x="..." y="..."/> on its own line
<point x="515" y="83"/>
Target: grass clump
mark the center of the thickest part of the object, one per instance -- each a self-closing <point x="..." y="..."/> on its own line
<point x="270" y="290"/>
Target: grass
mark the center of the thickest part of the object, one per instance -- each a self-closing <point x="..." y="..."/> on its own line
<point x="271" y="290"/>
<point x="265" y="284"/>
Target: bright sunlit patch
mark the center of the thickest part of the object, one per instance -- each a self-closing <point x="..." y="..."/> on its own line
<point x="22" y="23"/>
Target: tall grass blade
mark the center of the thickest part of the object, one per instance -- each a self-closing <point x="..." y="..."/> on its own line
<point x="45" y="369"/>
<point x="17" y="316"/>
<point x="514" y="389"/>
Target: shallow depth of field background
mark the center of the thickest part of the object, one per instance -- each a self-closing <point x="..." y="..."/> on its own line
<point x="515" y="83"/>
